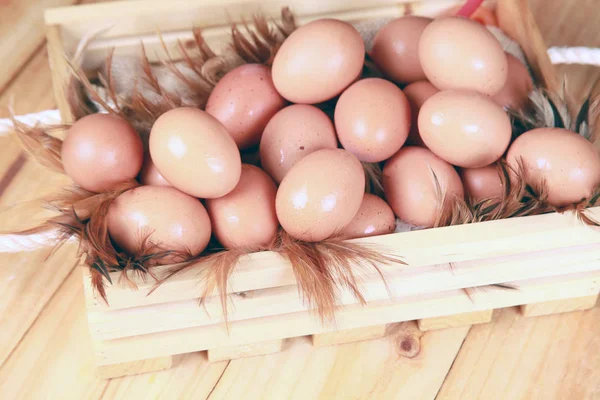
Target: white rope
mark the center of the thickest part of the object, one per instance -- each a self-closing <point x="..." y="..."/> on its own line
<point x="10" y="243"/>
<point x="574" y="55"/>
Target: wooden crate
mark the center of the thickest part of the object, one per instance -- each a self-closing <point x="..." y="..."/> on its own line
<point x="545" y="264"/>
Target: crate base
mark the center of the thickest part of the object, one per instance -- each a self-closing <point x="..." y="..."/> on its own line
<point x="406" y="335"/>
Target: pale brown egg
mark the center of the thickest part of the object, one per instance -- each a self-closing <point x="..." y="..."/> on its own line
<point x="320" y="195"/>
<point x="169" y="219"/>
<point x="464" y="128"/>
<point x="567" y="163"/>
<point x="293" y="133"/>
<point x="374" y="218"/>
<point x="318" y="61"/>
<point x="409" y="184"/>
<point x="149" y="174"/>
<point x="195" y="153"/>
<point x="395" y="49"/>
<point x="372" y="119"/>
<point x="515" y="93"/>
<point x="417" y="93"/>
<point x="244" y="100"/>
<point x="245" y="217"/>
<point x="457" y="53"/>
<point x="101" y="151"/>
<point x="482" y="183"/>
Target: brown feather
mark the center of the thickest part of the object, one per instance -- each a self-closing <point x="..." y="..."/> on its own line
<point x="373" y="178"/>
<point x="40" y="144"/>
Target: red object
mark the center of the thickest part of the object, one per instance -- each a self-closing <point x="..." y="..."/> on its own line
<point x="469" y="8"/>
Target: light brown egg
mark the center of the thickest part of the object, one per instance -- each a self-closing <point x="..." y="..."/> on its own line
<point x="149" y="174"/>
<point x="457" y="53"/>
<point x="195" y="153"/>
<point x="372" y="119"/>
<point x="515" y="93"/>
<point x="318" y="61"/>
<point x="482" y="183"/>
<point x="168" y="218"/>
<point x="293" y="133"/>
<point x="101" y="151"/>
<point x="244" y="100"/>
<point x="567" y="163"/>
<point x="395" y="49"/>
<point x="245" y="217"/>
<point x="410" y="188"/>
<point x="417" y="93"/>
<point x="464" y="128"/>
<point x="320" y="194"/>
<point x="374" y="218"/>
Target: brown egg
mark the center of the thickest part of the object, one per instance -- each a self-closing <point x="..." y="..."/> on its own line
<point x="457" y="53"/>
<point x="515" y="93"/>
<point x="482" y="183"/>
<point x="245" y="217"/>
<point x="320" y="194"/>
<point x="194" y="152"/>
<point x="293" y="133"/>
<point x="567" y="163"/>
<point x="464" y="128"/>
<point x="168" y="218"/>
<point x="244" y="100"/>
<point x="374" y="218"/>
<point x="372" y="119"/>
<point x="318" y="61"/>
<point x="395" y="49"/>
<point x="149" y="174"/>
<point x="101" y="151"/>
<point x="410" y="188"/>
<point x="417" y="93"/>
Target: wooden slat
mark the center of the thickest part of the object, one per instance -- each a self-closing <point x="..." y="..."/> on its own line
<point x="243" y="351"/>
<point x="110" y="324"/>
<point x="305" y="323"/>
<point x="559" y="306"/>
<point x="134" y="367"/>
<point x="452" y="321"/>
<point x="362" y="370"/>
<point x="349" y="335"/>
<point x="552" y="357"/>
<point x="453" y="244"/>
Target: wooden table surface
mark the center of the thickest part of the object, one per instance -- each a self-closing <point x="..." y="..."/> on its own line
<point x="45" y="349"/>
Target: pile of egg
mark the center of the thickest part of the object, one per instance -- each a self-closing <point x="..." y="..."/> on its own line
<point x="437" y="110"/>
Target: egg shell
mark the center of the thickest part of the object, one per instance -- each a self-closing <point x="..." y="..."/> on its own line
<point x="318" y="61"/>
<point x="567" y="163"/>
<point x="457" y="53"/>
<point x="396" y="46"/>
<point x="372" y="119"/>
<point x="374" y="218"/>
<point x="194" y="152"/>
<point x="320" y="195"/>
<point x="464" y="128"/>
<point x="149" y="175"/>
<point x="101" y="151"/>
<point x="410" y="188"/>
<point x="417" y="93"/>
<point x="245" y="217"/>
<point x="169" y="219"/>
<point x="482" y="183"/>
<point x="293" y="133"/>
<point x="515" y="93"/>
<point x="244" y="100"/>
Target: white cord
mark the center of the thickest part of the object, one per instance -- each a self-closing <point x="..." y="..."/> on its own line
<point x="10" y="243"/>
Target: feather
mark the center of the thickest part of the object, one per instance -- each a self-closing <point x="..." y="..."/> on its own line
<point x="40" y="144"/>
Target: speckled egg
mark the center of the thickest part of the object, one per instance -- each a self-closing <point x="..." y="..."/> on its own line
<point x="374" y="218"/>
<point x="482" y="183"/>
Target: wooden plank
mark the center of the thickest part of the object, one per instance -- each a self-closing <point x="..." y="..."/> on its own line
<point x="558" y="306"/>
<point x="454" y="244"/>
<point x="376" y="313"/>
<point x="112" y="324"/>
<point x="22" y="33"/>
<point x="452" y="321"/>
<point x="60" y="72"/>
<point x="362" y="370"/>
<point x="553" y="357"/>
<point x="243" y="351"/>
<point x="134" y="367"/>
<point x="348" y="335"/>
